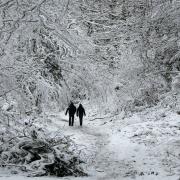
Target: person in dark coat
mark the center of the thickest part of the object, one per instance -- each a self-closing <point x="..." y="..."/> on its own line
<point x="80" y="112"/>
<point x="72" y="110"/>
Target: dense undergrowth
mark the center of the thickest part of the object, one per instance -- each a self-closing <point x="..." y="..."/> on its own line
<point x="37" y="152"/>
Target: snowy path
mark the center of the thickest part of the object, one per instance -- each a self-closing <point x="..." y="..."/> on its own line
<point x="122" y="149"/>
<point x="117" y="149"/>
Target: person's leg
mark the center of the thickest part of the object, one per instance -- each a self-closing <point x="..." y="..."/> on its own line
<point x="72" y="120"/>
<point x="69" y="120"/>
<point x="81" y="120"/>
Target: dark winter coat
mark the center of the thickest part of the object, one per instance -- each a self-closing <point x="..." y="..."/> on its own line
<point x="80" y="111"/>
<point x="71" y="109"/>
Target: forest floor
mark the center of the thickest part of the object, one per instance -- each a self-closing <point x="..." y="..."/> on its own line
<point x="143" y="146"/>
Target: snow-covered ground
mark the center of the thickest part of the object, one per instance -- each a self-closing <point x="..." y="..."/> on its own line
<point x="144" y="146"/>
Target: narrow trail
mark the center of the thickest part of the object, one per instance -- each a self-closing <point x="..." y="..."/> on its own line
<point x="103" y="162"/>
<point x="102" y="155"/>
<point x="94" y="139"/>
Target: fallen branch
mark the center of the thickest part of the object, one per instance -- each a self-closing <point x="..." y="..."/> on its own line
<point x="104" y="117"/>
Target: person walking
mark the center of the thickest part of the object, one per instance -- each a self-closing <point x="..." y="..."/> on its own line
<point x="72" y="110"/>
<point x="80" y="112"/>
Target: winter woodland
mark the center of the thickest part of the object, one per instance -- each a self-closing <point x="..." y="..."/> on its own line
<point x="120" y="59"/>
